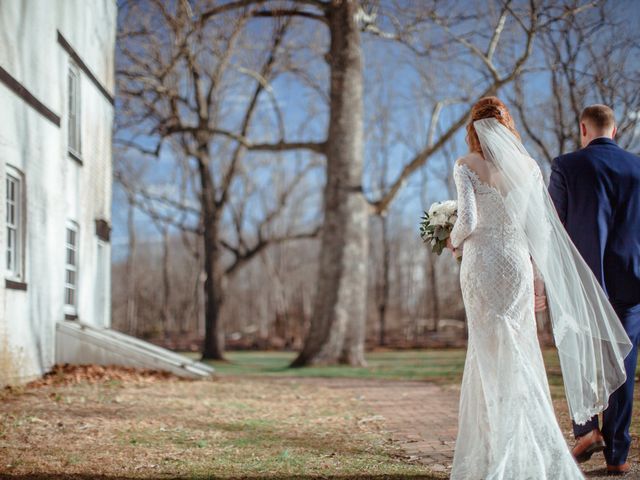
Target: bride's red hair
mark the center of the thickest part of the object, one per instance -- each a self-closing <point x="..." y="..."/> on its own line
<point x="488" y="107"/>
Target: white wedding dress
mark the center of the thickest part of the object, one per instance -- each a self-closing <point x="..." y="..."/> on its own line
<point x="507" y="427"/>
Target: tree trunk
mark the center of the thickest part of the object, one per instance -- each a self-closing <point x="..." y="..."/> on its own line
<point x="383" y="301"/>
<point x="435" y="295"/>
<point x="337" y="330"/>
<point x="197" y="320"/>
<point x="166" y="284"/>
<point x="131" y="315"/>
<point x="213" y="331"/>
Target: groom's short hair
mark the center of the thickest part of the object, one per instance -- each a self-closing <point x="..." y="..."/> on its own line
<point x="599" y="116"/>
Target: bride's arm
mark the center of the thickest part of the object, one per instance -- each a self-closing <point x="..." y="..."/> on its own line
<point x="467" y="213"/>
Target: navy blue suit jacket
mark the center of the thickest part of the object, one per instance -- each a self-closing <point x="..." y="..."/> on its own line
<point x="596" y="191"/>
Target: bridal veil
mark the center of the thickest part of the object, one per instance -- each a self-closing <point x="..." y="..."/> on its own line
<point x="590" y="339"/>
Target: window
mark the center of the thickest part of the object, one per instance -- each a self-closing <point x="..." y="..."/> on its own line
<point x="71" y="268"/>
<point x="74" y="111"/>
<point x="15" y="224"/>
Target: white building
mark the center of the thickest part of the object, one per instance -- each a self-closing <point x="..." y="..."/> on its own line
<point x="56" y="116"/>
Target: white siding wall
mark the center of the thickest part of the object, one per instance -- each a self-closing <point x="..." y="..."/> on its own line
<point x="57" y="186"/>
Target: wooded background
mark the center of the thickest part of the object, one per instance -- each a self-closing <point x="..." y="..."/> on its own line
<point x="273" y="158"/>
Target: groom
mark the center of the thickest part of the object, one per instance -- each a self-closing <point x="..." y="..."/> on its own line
<point x="596" y="191"/>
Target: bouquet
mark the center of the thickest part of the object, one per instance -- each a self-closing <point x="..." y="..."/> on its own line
<point x="437" y="223"/>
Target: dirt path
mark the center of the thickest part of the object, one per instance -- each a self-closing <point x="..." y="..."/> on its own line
<point x="420" y="417"/>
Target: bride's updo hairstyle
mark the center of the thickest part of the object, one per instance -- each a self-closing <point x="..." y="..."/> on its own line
<point x="488" y="107"/>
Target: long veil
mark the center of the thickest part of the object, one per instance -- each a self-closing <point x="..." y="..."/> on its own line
<point x="590" y="339"/>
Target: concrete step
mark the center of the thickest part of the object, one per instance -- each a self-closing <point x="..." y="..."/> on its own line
<point x="80" y="343"/>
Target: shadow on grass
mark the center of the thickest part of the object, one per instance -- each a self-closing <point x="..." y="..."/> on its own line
<point x="82" y="476"/>
<point x="260" y="433"/>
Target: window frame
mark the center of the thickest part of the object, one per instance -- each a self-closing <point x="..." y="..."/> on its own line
<point x="74" y="124"/>
<point x="16" y="272"/>
<point x="71" y="308"/>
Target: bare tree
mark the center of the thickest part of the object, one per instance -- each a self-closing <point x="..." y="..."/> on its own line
<point x="130" y="269"/>
<point x="487" y="62"/>
<point x="586" y="58"/>
<point x="176" y="65"/>
<point x="338" y="323"/>
<point x="173" y="83"/>
<point x="337" y="328"/>
<point x="167" y="317"/>
<point x="379" y="151"/>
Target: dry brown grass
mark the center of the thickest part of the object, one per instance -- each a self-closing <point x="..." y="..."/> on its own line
<point x="104" y="424"/>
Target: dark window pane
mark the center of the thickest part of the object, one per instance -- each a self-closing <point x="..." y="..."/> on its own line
<point x="69" y="297"/>
<point x="71" y="237"/>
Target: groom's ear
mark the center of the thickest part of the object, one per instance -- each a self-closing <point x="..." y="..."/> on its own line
<point x="615" y="131"/>
<point x="583" y="129"/>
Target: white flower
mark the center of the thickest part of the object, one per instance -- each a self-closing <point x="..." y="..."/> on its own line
<point x="433" y="208"/>
<point x="439" y="219"/>
<point x="443" y="213"/>
<point x="449" y="205"/>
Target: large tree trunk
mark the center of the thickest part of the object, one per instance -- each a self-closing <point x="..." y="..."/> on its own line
<point x="337" y="328"/>
<point x="213" y="331"/>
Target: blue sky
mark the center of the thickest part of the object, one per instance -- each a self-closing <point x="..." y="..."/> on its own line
<point x="393" y="87"/>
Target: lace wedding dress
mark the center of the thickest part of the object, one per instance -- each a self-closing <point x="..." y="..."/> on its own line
<point x="507" y="426"/>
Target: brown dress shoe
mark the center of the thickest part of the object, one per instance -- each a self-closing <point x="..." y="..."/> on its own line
<point x="618" y="470"/>
<point x="587" y="445"/>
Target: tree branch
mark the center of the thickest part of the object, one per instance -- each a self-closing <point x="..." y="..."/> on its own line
<point x="290" y="13"/>
<point x="280" y="146"/>
<point x="245" y="257"/>
<point x="265" y="72"/>
<point x="217" y="10"/>
<point x="493" y="43"/>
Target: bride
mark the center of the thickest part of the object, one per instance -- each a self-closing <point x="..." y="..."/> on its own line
<point x="514" y="248"/>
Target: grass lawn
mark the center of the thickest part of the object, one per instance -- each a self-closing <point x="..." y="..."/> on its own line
<point x="443" y="366"/>
<point x="434" y="365"/>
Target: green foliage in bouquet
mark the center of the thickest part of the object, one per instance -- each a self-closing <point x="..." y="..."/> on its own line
<point x="435" y="235"/>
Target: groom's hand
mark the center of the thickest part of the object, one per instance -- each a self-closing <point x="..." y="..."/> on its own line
<point x="540" y="304"/>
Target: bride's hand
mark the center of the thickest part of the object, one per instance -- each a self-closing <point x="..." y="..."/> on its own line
<point x="540" y="304"/>
<point x="454" y="251"/>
